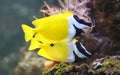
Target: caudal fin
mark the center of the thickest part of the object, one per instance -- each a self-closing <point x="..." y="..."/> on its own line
<point x="28" y="31"/>
<point x="34" y="44"/>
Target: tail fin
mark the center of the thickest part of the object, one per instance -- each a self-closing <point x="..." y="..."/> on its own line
<point x="28" y="31"/>
<point x="34" y="44"/>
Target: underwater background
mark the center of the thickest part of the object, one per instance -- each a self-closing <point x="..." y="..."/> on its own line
<point x="12" y="14"/>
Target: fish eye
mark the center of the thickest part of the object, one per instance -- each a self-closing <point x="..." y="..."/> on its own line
<point x="34" y="35"/>
<point x="52" y="44"/>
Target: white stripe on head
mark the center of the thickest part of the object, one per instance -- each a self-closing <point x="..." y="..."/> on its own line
<point x="71" y="30"/>
<point x="77" y="24"/>
<point x="71" y="57"/>
<point x="79" y="54"/>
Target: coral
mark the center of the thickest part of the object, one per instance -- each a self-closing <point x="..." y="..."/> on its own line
<point x="110" y="65"/>
<point x="79" y="8"/>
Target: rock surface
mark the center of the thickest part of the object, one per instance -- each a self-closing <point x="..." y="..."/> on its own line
<point x="109" y="65"/>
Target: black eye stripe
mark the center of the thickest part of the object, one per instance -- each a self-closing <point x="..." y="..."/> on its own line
<point x="77" y="59"/>
<point x="40" y="42"/>
<point x="78" y="31"/>
<point x="52" y="44"/>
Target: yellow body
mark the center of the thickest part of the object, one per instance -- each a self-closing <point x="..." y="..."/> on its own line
<point x="47" y="31"/>
<point x="53" y="27"/>
<point x="58" y="52"/>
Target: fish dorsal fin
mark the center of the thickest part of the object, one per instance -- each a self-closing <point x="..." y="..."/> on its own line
<point x="47" y="20"/>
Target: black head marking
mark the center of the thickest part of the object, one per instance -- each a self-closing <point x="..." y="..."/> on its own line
<point x="78" y="31"/>
<point x="40" y="42"/>
<point x="81" y="21"/>
<point x="82" y="50"/>
<point x="77" y="59"/>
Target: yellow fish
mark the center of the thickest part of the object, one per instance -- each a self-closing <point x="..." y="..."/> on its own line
<point x="56" y="27"/>
<point x="60" y="51"/>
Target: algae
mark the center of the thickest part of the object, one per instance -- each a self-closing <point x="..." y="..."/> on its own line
<point x="66" y="69"/>
<point x="110" y="66"/>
